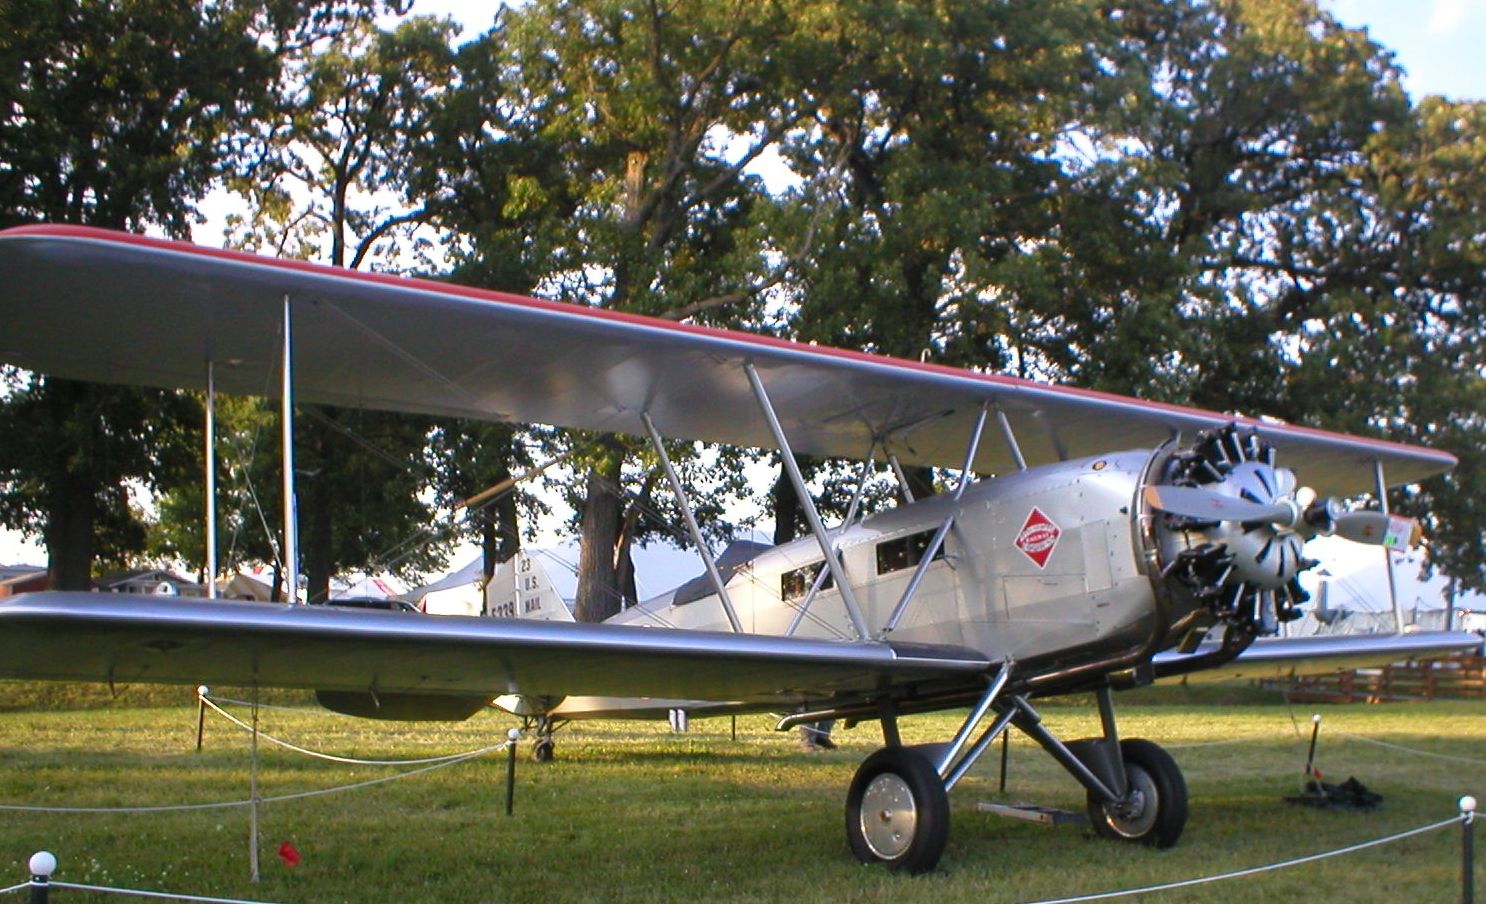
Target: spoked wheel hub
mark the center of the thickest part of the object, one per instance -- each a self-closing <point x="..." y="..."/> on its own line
<point x="889" y="816"/>
<point x="897" y="811"/>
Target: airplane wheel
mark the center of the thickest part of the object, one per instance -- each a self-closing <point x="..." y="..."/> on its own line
<point x="543" y="750"/>
<point x="897" y="811"/>
<point x="1157" y="811"/>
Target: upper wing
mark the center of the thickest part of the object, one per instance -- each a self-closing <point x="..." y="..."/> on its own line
<point x="93" y="305"/>
<point x="121" y="638"/>
<point x="1286" y="657"/>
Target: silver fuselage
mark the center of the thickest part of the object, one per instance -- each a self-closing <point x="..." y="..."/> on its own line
<point x="1039" y="562"/>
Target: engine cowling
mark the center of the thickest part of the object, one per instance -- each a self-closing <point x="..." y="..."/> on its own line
<point x="1246" y="573"/>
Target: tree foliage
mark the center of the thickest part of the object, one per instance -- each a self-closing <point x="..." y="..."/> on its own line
<point x="1229" y="203"/>
<point x="117" y="115"/>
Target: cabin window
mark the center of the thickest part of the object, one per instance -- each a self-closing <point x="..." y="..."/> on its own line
<point x="793" y="585"/>
<point x="905" y="552"/>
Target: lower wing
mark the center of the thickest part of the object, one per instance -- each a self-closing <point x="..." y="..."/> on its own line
<point x="1287" y="657"/>
<point x="120" y="639"/>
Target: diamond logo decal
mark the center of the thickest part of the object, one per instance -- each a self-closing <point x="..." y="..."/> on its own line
<point x="1038" y="537"/>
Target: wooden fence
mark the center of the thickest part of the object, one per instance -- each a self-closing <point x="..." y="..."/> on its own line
<point x="1457" y="677"/>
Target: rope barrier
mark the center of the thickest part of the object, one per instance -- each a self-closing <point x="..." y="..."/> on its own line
<point x="22" y="808"/>
<point x="1255" y="870"/>
<point x="6" y="891"/>
<point x="105" y="889"/>
<point x="1417" y="752"/>
<point x="342" y="759"/>
<point x="309" y="710"/>
<point x="1266" y="736"/>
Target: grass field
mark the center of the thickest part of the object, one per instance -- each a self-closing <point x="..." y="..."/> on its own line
<point x="631" y="811"/>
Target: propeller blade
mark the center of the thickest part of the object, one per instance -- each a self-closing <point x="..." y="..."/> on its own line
<point x="1378" y="529"/>
<point x="1206" y="505"/>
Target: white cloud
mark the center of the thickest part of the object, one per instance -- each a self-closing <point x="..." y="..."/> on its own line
<point x="1446" y="17"/>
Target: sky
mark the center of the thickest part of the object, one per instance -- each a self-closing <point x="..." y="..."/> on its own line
<point x="1439" y="44"/>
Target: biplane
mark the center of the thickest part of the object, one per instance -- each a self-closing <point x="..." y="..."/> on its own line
<point x="1089" y="543"/>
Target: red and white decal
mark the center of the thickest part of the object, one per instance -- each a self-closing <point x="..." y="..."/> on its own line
<point x="1038" y="537"/>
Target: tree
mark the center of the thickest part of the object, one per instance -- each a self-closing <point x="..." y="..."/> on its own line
<point x="117" y="115"/>
<point x="330" y="184"/>
<point x="635" y="109"/>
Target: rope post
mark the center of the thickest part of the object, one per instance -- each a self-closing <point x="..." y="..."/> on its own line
<point x="1310" y="757"/>
<point x="1005" y="755"/>
<point x="201" y="692"/>
<point x="1467" y="850"/>
<point x="513" y="735"/>
<point x="253" y="844"/>
<point x="42" y="865"/>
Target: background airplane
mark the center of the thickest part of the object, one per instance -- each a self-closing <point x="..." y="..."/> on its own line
<point x="1117" y="542"/>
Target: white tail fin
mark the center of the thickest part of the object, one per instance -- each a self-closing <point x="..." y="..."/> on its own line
<point x="521" y="588"/>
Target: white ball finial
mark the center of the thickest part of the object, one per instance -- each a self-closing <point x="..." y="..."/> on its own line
<point x="514" y="734"/>
<point x="42" y="864"/>
<point x="202" y="690"/>
<point x="1468" y="804"/>
<point x="1316" y="719"/>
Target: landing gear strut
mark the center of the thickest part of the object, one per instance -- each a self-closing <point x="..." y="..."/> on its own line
<point x="544" y="747"/>
<point x="897" y="810"/>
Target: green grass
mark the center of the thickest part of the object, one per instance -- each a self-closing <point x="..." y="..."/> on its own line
<point x="630" y="811"/>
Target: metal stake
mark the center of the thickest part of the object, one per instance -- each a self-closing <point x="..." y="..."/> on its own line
<point x="1005" y="756"/>
<point x="253" y="797"/>
<point x="1467" y="850"/>
<point x="42" y="864"/>
<point x="511" y="738"/>
<point x="1310" y="758"/>
<point x="200" y="716"/>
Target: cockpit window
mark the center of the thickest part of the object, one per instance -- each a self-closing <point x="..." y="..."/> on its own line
<point x="905" y="552"/>
<point x="793" y="585"/>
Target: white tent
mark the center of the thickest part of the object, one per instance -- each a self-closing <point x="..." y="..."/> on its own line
<point x="520" y="588"/>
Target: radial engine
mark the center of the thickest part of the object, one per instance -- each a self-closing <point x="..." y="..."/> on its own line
<point x="1232" y="526"/>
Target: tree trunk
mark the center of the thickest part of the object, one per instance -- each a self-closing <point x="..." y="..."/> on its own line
<point x="72" y="504"/>
<point x="598" y="593"/>
<point x="316" y="540"/>
<point x="920" y="483"/>
<point x="789" y="514"/>
<point x="69" y="530"/>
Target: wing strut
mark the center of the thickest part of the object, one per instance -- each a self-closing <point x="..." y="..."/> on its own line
<point x="291" y="510"/>
<point x="851" y="513"/>
<point x="1387" y="551"/>
<point x="691" y="524"/>
<point x="907" y="491"/>
<point x="933" y="549"/>
<point x="210" y="467"/>
<point x="1011" y="443"/>
<point x="807" y="502"/>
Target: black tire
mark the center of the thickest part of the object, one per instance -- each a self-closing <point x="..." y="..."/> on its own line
<point x="897" y="811"/>
<point x="1162" y="814"/>
<point x="543" y="750"/>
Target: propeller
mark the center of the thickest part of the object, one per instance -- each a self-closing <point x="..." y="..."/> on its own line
<point x="1303" y="512"/>
<point x="1378" y="529"/>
